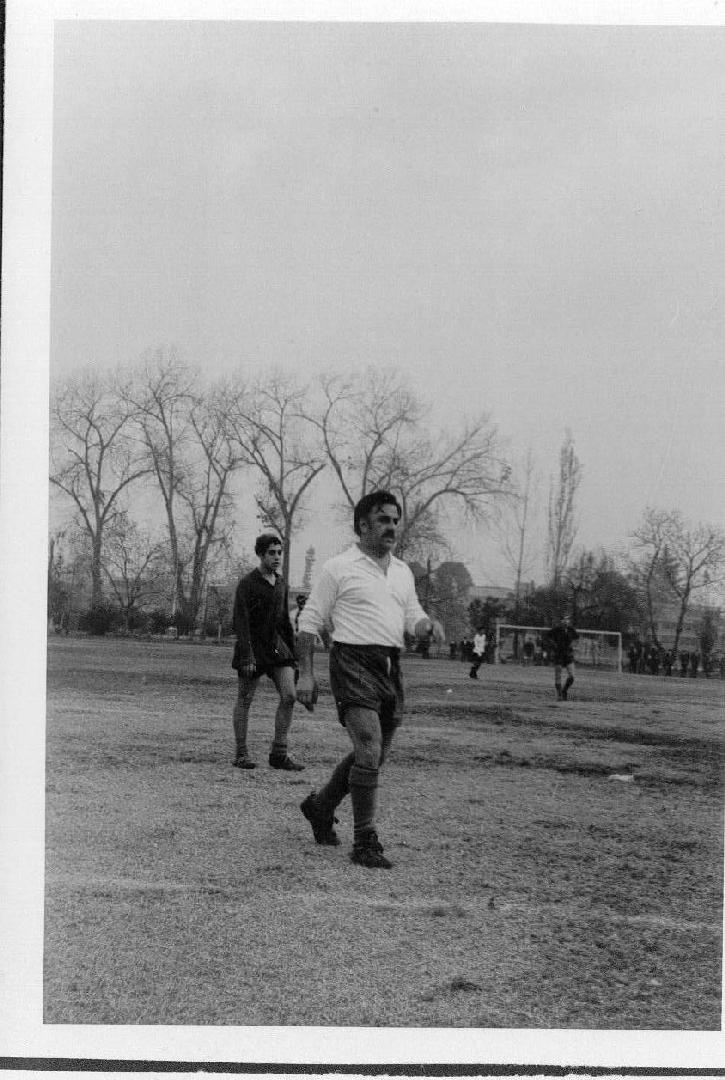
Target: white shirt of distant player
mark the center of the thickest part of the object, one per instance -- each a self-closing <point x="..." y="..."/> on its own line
<point x="360" y="603"/>
<point x="479" y="644"/>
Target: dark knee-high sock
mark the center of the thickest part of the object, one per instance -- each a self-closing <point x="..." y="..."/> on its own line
<point x="568" y="682"/>
<point x="363" y="794"/>
<point x="338" y="786"/>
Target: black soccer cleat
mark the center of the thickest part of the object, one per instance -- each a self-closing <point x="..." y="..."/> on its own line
<point x="368" y="852"/>
<point x="322" y="821"/>
<point x="243" y="761"/>
<point x="285" y="762"/>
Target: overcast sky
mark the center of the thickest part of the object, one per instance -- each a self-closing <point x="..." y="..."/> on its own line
<point x="525" y="219"/>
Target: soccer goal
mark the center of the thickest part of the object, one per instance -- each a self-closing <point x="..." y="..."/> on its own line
<point x="528" y="645"/>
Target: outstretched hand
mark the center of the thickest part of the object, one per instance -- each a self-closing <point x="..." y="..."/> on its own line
<point x="430" y="628"/>
<point x="307" y="691"/>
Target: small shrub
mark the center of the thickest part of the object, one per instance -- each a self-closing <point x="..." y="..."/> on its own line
<point x="158" y="622"/>
<point x="99" y="620"/>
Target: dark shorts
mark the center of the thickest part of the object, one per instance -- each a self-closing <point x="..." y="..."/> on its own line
<point x="368" y="677"/>
<point x="268" y="669"/>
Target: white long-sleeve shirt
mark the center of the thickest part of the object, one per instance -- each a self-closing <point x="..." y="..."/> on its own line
<point x="361" y="604"/>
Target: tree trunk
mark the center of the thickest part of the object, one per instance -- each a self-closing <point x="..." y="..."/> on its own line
<point x="96" y="572"/>
<point x="684" y="603"/>
<point x="286" y="549"/>
<point x="650" y="607"/>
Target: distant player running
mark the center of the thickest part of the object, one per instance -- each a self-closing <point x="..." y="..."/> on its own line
<point x="479" y="652"/>
<point x="562" y="637"/>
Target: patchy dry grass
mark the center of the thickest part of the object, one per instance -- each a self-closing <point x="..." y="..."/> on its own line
<point x="530" y="888"/>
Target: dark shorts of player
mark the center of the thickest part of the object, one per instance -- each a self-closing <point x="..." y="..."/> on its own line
<point x="564" y="661"/>
<point x="367" y="677"/>
<point x="268" y="669"/>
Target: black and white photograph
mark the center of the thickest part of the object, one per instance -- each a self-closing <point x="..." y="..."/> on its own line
<point x="363" y="534"/>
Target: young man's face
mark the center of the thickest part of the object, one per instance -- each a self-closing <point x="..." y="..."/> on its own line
<point x="379" y="530"/>
<point x="272" y="559"/>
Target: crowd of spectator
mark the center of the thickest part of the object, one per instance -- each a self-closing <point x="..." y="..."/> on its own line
<point x="648" y="658"/>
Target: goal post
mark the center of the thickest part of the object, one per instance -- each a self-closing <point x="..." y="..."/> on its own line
<point x="528" y="645"/>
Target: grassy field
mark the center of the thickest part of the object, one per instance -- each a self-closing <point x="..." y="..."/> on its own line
<point x="532" y="887"/>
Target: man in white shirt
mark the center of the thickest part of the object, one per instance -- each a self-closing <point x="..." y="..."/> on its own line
<point x="479" y="651"/>
<point x="366" y="598"/>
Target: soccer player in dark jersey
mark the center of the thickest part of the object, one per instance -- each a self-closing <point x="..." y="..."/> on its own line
<point x="265" y="646"/>
<point x="562" y="637"/>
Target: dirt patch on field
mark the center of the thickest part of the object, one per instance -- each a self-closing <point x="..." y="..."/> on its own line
<point x="556" y="865"/>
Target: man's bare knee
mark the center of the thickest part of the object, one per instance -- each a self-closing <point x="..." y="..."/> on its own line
<point x="368" y="755"/>
<point x="368" y="748"/>
<point x="287" y="699"/>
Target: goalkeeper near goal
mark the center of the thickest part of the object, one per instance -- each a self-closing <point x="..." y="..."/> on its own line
<point x="561" y="638"/>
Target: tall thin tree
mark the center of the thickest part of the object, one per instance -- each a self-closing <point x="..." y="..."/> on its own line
<point x="184" y="429"/>
<point x="267" y="421"/>
<point x="562" y="524"/>
<point x="94" y="458"/>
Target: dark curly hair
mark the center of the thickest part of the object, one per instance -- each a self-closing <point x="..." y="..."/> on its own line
<point x="265" y="541"/>
<point x="373" y="501"/>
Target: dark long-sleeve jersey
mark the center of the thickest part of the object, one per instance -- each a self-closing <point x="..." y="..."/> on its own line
<point x="261" y="616"/>
<point x="562" y="639"/>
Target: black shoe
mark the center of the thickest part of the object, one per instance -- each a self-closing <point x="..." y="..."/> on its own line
<point x="564" y="694"/>
<point x="243" y="761"/>
<point x="322" y="821"/>
<point x="283" y="761"/>
<point x="472" y="675"/>
<point x="369" y="852"/>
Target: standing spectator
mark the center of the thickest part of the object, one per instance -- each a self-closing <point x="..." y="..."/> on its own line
<point x="562" y="637"/>
<point x="632" y="654"/>
<point x="265" y="646"/>
<point x="368" y="598"/>
<point x="668" y="661"/>
<point x="300" y="601"/>
<point x="684" y="664"/>
<point x="478" y="652"/>
<point x="694" y="664"/>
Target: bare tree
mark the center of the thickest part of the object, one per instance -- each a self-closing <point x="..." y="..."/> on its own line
<point x="362" y="420"/>
<point x="206" y="492"/>
<point x="372" y="432"/>
<point x="186" y="439"/>
<point x="268" y="423"/>
<point x="94" y="458"/>
<point x="514" y="526"/>
<point x="562" y="519"/>
<point x="686" y="558"/>
<point x="132" y="560"/>
<point x="650" y="539"/>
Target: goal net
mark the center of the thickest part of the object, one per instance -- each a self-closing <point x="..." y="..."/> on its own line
<point x="528" y="645"/>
